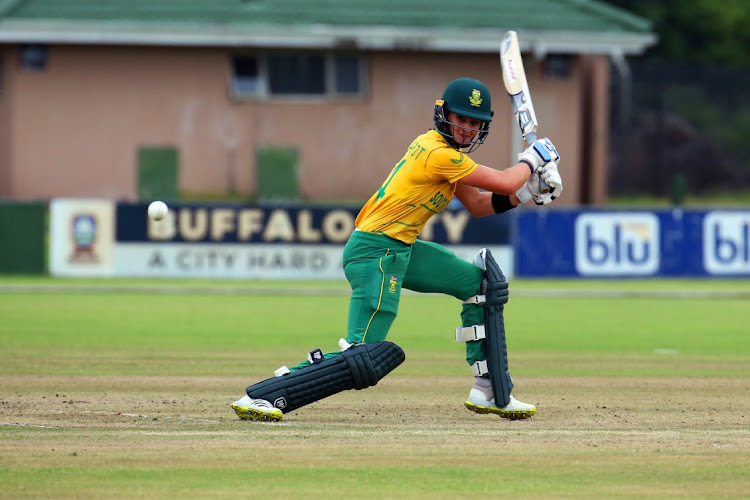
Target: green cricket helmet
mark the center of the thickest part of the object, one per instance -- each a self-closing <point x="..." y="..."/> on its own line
<point x="466" y="97"/>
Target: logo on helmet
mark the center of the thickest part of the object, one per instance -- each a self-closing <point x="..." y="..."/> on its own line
<point x="476" y="98"/>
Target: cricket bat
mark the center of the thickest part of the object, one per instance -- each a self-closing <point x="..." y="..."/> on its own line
<point x="514" y="78"/>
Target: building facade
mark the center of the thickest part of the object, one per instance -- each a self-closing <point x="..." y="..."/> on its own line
<point x="84" y="95"/>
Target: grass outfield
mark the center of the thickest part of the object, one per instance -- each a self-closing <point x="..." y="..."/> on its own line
<point x="121" y="389"/>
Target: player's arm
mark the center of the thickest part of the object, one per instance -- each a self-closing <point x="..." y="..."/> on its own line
<point x="481" y="203"/>
<point x="506" y="181"/>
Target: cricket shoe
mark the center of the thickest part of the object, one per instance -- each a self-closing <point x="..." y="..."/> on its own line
<point x="481" y="401"/>
<point x="248" y="408"/>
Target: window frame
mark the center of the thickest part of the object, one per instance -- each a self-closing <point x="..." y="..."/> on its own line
<point x="264" y="93"/>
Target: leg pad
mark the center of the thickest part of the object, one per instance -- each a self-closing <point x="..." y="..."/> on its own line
<point x="495" y="346"/>
<point x="359" y="367"/>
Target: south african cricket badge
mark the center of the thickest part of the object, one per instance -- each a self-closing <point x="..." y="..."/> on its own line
<point x="476" y="98"/>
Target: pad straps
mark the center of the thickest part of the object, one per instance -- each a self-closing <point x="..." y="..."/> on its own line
<point x="480" y="368"/>
<point x="479" y="300"/>
<point x="470" y="333"/>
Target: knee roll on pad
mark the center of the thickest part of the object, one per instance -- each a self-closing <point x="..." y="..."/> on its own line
<point x="358" y="367"/>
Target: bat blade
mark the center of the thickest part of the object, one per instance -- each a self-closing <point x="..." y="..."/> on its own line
<point x="514" y="78"/>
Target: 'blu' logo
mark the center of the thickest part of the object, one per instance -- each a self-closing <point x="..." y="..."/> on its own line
<point x="726" y="243"/>
<point x="617" y="244"/>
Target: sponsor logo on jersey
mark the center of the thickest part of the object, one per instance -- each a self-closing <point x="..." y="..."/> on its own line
<point x="439" y="201"/>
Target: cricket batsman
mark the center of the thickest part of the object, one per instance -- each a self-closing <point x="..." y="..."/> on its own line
<point x="384" y="255"/>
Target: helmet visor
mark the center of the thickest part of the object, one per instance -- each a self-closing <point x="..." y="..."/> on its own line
<point x="460" y="136"/>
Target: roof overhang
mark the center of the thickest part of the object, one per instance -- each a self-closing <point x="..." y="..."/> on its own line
<point x="323" y="37"/>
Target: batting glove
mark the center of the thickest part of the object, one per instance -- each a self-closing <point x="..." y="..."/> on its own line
<point x="540" y="153"/>
<point x="551" y="176"/>
<point x="531" y="190"/>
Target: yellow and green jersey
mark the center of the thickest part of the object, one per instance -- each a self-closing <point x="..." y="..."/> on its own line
<point x="418" y="187"/>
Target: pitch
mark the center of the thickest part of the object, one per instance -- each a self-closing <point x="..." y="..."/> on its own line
<point x="121" y="389"/>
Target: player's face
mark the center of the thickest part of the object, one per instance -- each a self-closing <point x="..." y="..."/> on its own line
<point x="464" y="128"/>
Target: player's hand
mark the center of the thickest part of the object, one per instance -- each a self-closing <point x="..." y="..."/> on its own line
<point x="551" y="176"/>
<point x="540" y="153"/>
<point x="532" y="190"/>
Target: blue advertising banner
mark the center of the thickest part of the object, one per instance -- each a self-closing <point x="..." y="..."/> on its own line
<point x="303" y="224"/>
<point x="609" y="244"/>
<point x="273" y="241"/>
<point x="90" y="237"/>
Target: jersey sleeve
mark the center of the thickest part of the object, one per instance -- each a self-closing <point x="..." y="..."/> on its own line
<point x="449" y="164"/>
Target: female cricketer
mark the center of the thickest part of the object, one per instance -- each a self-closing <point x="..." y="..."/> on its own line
<point x="384" y="255"/>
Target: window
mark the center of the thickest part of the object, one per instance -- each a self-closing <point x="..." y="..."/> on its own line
<point x="296" y="74"/>
<point x="33" y="58"/>
<point x="314" y="74"/>
<point x="245" y="79"/>
<point x="347" y="75"/>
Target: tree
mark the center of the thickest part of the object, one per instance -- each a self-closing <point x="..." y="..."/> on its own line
<point x="689" y="92"/>
<point x="704" y="32"/>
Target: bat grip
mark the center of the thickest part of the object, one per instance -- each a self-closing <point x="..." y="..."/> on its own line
<point x="543" y="186"/>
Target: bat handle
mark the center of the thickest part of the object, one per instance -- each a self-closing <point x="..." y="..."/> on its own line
<point x="543" y="186"/>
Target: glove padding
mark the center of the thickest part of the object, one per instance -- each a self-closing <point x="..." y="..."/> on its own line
<point x="540" y="153"/>
<point x="532" y="190"/>
<point x="551" y="176"/>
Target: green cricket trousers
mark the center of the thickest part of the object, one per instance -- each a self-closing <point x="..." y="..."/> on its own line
<point x="378" y="267"/>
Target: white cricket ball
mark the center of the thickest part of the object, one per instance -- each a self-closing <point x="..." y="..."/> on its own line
<point x="157" y="210"/>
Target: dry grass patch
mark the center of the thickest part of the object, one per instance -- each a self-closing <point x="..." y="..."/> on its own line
<point x="664" y="432"/>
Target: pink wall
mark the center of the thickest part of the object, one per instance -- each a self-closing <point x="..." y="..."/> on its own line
<point x="75" y="127"/>
<point x="6" y="53"/>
